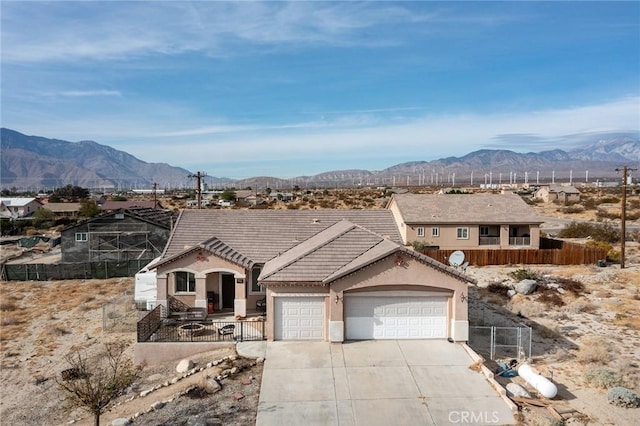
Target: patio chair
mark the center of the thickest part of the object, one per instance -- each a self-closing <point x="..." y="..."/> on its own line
<point x="227" y="330"/>
<point x="261" y="305"/>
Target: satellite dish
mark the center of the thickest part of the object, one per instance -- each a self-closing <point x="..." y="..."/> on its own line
<point x="456" y="258"/>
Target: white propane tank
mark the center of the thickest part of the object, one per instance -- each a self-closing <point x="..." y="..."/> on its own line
<point x="538" y="381"/>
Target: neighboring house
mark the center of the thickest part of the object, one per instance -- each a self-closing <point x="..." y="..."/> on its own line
<point x="466" y="221"/>
<point x="326" y="274"/>
<point x="16" y="208"/>
<point x="119" y="205"/>
<point x="71" y="210"/>
<point x="132" y="234"/>
<point x="563" y="194"/>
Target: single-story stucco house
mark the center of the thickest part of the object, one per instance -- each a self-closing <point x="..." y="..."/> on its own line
<point x="330" y="275"/>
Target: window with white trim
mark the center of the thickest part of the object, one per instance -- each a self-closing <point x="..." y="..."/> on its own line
<point x="435" y="232"/>
<point x="185" y="282"/>
<point x="420" y="231"/>
<point x="82" y="237"/>
<point x="255" y="273"/>
<point x="462" y="233"/>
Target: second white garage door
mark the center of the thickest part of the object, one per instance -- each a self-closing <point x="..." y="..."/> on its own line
<point x="299" y="318"/>
<point x="376" y="317"/>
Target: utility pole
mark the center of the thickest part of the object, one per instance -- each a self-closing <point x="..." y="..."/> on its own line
<point x="155" y="196"/>
<point x="199" y="176"/>
<point x="623" y="215"/>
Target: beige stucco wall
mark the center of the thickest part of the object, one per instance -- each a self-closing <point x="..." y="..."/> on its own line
<point x="448" y="236"/>
<point x="382" y="276"/>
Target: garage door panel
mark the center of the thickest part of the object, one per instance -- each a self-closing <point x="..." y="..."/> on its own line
<point x="378" y="317"/>
<point x="299" y="318"/>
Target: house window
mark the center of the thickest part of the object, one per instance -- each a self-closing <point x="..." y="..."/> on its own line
<point x="185" y="282"/>
<point x="484" y="231"/>
<point x="462" y="233"/>
<point x="420" y="231"/>
<point x="82" y="237"/>
<point x="435" y="232"/>
<point x="255" y="273"/>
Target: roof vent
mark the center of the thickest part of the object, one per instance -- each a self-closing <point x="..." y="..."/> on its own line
<point x="315" y="220"/>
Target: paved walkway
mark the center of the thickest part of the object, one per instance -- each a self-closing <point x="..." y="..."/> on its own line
<point x="407" y="382"/>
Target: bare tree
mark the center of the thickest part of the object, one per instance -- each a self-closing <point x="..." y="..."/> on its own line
<point x="94" y="383"/>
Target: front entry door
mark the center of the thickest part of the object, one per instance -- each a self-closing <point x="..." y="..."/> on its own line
<point x="228" y="290"/>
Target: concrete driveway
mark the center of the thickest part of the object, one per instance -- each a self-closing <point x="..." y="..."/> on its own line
<point x="404" y="382"/>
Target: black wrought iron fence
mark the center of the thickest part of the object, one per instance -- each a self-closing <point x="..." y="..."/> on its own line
<point x="172" y="330"/>
<point x="150" y="324"/>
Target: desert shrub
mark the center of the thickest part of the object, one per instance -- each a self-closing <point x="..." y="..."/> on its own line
<point x="604" y="214"/>
<point x="633" y="215"/>
<point x="498" y="288"/>
<point x="589" y="204"/>
<point x="551" y="298"/>
<point x="623" y="397"/>
<point x="634" y="204"/>
<point x="573" y="209"/>
<point x="525" y="274"/>
<point x="8" y="305"/>
<point x="610" y="199"/>
<point x="600" y="232"/>
<point x="595" y="350"/>
<point x="602" y="378"/>
<point x="580" y="305"/>
<point x="9" y="320"/>
<point x="570" y="285"/>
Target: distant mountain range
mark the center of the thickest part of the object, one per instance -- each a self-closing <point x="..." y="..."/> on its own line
<point x="34" y="162"/>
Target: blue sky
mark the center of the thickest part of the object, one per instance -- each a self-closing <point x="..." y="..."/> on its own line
<point x="242" y="89"/>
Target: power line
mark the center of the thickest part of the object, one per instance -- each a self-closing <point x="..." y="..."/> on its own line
<point x="623" y="216"/>
<point x="198" y="176"/>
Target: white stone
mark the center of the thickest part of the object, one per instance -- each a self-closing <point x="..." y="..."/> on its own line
<point x="511" y="293"/>
<point x="145" y="392"/>
<point x="184" y="366"/>
<point x="157" y="405"/>
<point x="514" y="389"/>
<point x="211" y="385"/>
<point x="120" y="422"/>
<point x="175" y="380"/>
<point x="526" y="286"/>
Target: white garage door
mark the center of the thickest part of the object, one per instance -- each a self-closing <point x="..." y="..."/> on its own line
<point x="299" y="318"/>
<point x="375" y="317"/>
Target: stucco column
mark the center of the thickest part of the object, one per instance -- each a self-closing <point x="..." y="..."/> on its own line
<point x="161" y="296"/>
<point x="460" y="315"/>
<point x="336" y="316"/>
<point x="504" y="236"/>
<point x="240" y="302"/>
<point x="201" y="291"/>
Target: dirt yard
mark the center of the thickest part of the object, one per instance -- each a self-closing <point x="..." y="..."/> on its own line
<point x="594" y="327"/>
<point x="43" y="321"/>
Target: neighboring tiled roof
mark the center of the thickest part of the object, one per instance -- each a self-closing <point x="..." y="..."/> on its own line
<point x="336" y="252"/>
<point x="263" y="234"/>
<point x="17" y="201"/>
<point x="565" y="189"/>
<point x="63" y="207"/>
<point x="165" y="218"/>
<point x="465" y="209"/>
<point x="116" y="205"/>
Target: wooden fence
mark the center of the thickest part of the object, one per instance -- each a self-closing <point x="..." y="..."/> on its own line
<point x="556" y="252"/>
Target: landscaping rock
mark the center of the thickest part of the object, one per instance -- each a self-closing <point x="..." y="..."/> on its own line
<point x="526" y="286"/>
<point x="184" y="366"/>
<point x="211" y="385"/>
<point x="145" y="392"/>
<point x="511" y="293"/>
<point x="514" y="389"/>
<point x="157" y="405"/>
<point x="120" y="422"/>
<point x="238" y="396"/>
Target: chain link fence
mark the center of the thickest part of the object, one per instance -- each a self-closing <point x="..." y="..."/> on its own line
<point x="501" y="342"/>
<point x="120" y="315"/>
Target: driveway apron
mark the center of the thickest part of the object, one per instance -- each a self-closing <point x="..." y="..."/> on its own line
<point x="382" y="382"/>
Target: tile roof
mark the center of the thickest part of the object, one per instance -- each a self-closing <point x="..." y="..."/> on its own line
<point x="336" y="252"/>
<point x="263" y="234"/>
<point x="465" y="209"/>
<point x="216" y="247"/>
